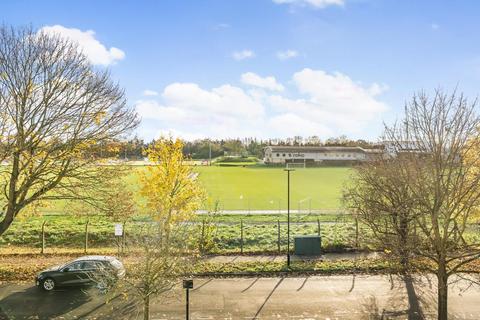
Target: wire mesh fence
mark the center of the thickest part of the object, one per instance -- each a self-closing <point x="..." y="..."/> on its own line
<point x="241" y="235"/>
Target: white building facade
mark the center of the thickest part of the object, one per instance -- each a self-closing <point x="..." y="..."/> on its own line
<point x="316" y="155"/>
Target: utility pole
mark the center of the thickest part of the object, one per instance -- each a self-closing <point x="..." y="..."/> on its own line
<point x="288" y="215"/>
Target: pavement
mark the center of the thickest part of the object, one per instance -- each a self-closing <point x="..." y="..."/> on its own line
<point x="318" y="297"/>
<point x="282" y="258"/>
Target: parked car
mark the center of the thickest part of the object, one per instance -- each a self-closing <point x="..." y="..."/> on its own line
<point x="83" y="271"/>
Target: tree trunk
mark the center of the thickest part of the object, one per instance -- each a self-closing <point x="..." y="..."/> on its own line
<point x="12" y="209"/>
<point x="7" y="221"/>
<point x="146" y="308"/>
<point x="442" y="292"/>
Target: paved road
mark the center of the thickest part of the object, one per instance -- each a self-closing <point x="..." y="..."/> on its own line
<point x="334" y="297"/>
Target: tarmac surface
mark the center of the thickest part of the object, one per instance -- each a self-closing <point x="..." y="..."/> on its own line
<point x="316" y="297"/>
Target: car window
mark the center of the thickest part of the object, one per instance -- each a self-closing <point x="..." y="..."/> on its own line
<point x="75" y="266"/>
<point x="93" y="265"/>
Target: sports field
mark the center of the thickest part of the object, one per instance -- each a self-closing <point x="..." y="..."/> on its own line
<point x="261" y="188"/>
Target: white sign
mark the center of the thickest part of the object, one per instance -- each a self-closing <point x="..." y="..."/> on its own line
<point x="118" y="229"/>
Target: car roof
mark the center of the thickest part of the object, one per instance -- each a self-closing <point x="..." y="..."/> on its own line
<point x="95" y="258"/>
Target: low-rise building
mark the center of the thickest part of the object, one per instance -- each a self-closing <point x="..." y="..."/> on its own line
<point x="317" y="155"/>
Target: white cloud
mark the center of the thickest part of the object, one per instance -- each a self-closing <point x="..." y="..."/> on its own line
<point x="242" y="55"/>
<point x="225" y="111"/>
<point x="376" y="89"/>
<point x="96" y="52"/>
<point x="269" y="83"/>
<point x="296" y="125"/>
<point x="288" y="54"/>
<point x="314" y="3"/>
<point x="333" y="100"/>
<point x="319" y="103"/>
<point x="150" y="93"/>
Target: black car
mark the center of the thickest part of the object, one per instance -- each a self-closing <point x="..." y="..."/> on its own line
<point x="86" y="270"/>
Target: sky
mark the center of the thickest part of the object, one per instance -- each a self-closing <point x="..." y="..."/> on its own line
<point x="269" y="68"/>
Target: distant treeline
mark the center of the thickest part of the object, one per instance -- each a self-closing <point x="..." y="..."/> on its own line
<point x="134" y="149"/>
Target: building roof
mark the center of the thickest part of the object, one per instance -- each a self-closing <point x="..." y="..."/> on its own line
<point x="307" y="149"/>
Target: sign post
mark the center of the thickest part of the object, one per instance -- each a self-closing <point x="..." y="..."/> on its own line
<point x="118" y="234"/>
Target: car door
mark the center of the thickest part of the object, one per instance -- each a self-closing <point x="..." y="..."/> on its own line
<point x="72" y="274"/>
<point x="89" y="272"/>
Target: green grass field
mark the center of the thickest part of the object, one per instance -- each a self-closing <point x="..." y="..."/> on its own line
<point x="265" y="188"/>
<point x="261" y="188"/>
<point x="258" y="188"/>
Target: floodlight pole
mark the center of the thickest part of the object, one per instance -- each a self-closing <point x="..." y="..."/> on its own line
<point x="209" y="153"/>
<point x="288" y="215"/>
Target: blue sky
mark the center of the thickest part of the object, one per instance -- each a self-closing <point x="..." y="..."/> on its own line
<point x="269" y="68"/>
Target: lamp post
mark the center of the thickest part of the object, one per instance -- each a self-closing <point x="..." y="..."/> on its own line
<point x="288" y="214"/>
<point x="187" y="285"/>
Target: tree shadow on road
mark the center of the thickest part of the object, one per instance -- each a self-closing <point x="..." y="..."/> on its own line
<point x="251" y="284"/>
<point x="415" y="311"/>
<point x="417" y="298"/>
<point x="33" y="303"/>
<point x="268" y="298"/>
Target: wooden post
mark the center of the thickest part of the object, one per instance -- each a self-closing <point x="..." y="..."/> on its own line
<point x="278" y="235"/>
<point x="85" y="247"/>
<point x="43" y="236"/>
<point x="241" y="236"/>
<point x="318" y="227"/>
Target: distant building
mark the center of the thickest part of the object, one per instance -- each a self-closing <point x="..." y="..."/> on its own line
<point x="317" y="155"/>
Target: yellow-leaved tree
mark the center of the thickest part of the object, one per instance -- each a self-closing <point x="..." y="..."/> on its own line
<point x="173" y="194"/>
<point x="172" y="191"/>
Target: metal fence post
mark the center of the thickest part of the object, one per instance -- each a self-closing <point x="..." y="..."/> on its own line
<point x="318" y="227"/>
<point x="356" y="233"/>
<point x="123" y="236"/>
<point x="278" y="235"/>
<point x="202" y="243"/>
<point x="85" y="248"/>
<point x="241" y="236"/>
<point x="43" y="236"/>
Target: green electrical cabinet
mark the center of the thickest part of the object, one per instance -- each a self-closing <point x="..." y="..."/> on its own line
<point x="308" y="245"/>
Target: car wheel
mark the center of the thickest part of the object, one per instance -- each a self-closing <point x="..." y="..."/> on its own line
<point x="48" y="284"/>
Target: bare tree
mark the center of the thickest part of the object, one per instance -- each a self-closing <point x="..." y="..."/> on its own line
<point x="384" y="203"/>
<point x="54" y="105"/>
<point x="160" y="262"/>
<point x="437" y="146"/>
